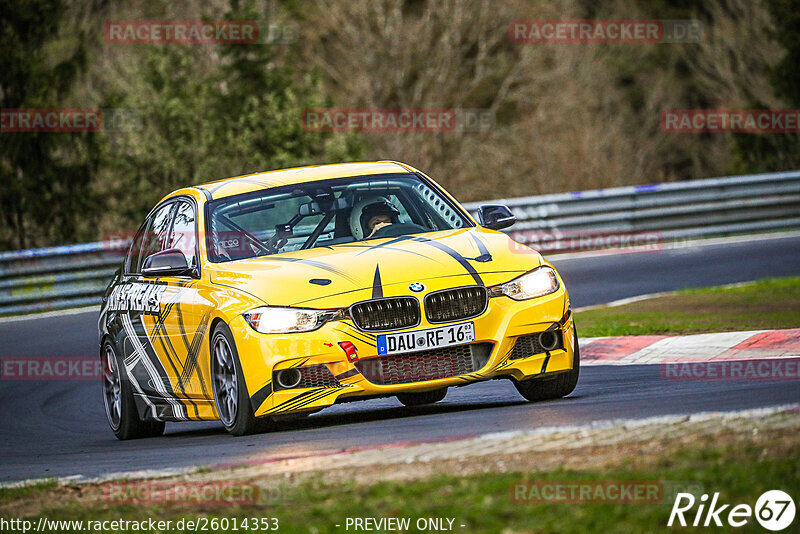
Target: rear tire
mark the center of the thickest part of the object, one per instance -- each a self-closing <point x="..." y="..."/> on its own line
<point x="230" y="392"/>
<point x="120" y="407"/>
<point x="561" y="385"/>
<point x="421" y="399"/>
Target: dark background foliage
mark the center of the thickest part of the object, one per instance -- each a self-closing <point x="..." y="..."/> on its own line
<point x="565" y="117"/>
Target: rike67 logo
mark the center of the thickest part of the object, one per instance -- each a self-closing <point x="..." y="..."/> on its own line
<point x="774" y="510"/>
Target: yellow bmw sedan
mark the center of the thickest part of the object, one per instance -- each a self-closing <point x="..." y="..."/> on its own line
<point x="281" y="293"/>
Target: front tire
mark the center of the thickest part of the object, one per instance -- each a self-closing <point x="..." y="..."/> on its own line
<point x="123" y="417"/>
<point x="230" y="391"/>
<point x="421" y="399"/>
<point x="561" y="385"/>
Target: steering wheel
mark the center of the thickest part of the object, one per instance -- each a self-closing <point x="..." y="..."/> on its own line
<point x="264" y="247"/>
<point x="395" y="230"/>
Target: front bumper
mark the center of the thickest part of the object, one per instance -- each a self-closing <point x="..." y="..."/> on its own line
<point x="498" y="327"/>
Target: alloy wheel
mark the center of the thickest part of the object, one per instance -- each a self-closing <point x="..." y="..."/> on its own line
<point x="226" y="385"/>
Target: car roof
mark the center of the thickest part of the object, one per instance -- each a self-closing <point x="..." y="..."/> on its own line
<point x="298" y="175"/>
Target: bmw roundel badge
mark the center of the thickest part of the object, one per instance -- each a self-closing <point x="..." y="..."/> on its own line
<point x="416" y="287"/>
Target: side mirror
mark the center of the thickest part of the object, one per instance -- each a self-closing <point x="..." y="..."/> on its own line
<point x="170" y="262"/>
<point x="495" y="216"/>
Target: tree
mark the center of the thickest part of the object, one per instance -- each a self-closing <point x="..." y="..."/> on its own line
<point x="45" y="194"/>
<point x="211" y="112"/>
<point x="779" y="151"/>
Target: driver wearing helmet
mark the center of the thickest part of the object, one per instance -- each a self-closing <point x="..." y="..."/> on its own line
<point x="376" y="213"/>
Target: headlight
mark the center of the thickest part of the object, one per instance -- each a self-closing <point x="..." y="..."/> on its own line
<point x="284" y="320"/>
<point x="537" y="283"/>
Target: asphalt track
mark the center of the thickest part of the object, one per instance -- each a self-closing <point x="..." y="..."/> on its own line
<point x="58" y="428"/>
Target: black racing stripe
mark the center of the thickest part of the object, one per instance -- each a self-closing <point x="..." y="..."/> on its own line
<point x="360" y="338"/>
<point x="455" y="255"/>
<point x="325" y="393"/>
<point x="193" y="352"/>
<point x="157" y="363"/>
<point x="327" y="296"/>
<point x="298" y="303"/>
<point x="385" y="246"/>
<point x="152" y="356"/>
<point x="377" y="287"/>
<point x="197" y="347"/>
<point x="317" y="264"/>
<point x="305" y="399"/>
<point x="499" y="365"/>
<point x="566" y="316"/>
<point x="410" y="252"/>
<point x="169" y="350"/>
<point x="386" y="243"/>
<point x="160" y="333"/>
<point x="367" y="336"/>
<point x="260" y="396"/>
<point x="357" y="338"/>
<point x="186" y="344"/>
<point x="163" y="313"/>
<point x="485" y="255"/>
<point x="546" y="361"/>
<point x="347" y="374"/>
<point x="295" y="399"/>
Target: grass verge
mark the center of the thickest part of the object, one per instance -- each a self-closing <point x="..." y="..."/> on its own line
<point x="740" y="468"/>
<point x="28" y="490"/>
<point x="772" y="303"/>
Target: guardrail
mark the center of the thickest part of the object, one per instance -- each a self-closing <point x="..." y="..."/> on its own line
<point x="638" y="216"/>
<point x="659" y="212"/>
<point x="57" y="277"/>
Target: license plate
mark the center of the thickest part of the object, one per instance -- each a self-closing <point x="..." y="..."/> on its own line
<point x="430" y="338"/>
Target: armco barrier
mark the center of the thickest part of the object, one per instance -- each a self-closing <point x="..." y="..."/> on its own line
<point x="675" y="210"/>
<point x="68" y="276"/>
<point x="58" y="277"/>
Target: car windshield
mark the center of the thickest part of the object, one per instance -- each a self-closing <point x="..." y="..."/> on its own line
<point x="325" y="213"/>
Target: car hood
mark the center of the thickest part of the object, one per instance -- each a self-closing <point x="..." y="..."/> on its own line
<point x="339" y="275"/>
